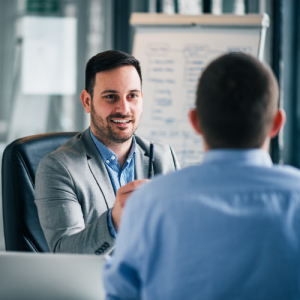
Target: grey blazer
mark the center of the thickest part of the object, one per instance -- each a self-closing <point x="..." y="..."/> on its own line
<point x="73" y="193"/>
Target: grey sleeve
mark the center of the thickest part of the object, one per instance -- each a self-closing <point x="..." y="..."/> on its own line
<point x="61" y="215"/>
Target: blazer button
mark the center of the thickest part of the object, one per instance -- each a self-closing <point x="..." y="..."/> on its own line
<point x="98" y="252"/>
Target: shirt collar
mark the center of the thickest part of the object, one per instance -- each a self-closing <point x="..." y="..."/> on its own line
<point x="254" y="157"/>
<point x="109" y="156"/>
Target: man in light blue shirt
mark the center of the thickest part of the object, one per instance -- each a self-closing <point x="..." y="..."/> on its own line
<point x="228" y="228"/>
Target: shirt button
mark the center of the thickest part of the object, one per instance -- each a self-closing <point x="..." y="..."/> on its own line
<point x="107" y="161"/>
<point x="112" y="157"/>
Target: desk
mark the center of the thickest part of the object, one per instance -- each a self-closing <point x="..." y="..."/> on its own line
<point x="51" y="276"/>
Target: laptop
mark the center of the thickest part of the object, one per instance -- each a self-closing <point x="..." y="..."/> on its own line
<point x="43" y="276"/>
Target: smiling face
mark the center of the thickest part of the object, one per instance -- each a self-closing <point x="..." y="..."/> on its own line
<point x="116" y="107"/>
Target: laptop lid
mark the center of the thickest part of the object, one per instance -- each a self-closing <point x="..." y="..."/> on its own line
<point x="37" y="276"/>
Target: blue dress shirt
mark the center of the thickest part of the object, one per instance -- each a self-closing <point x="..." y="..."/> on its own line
<point x="241" y="241"/>
<point x="118" y="176"/>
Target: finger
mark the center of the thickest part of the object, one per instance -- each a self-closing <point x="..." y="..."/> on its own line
<point x="124" y="192"/>
<point x="131" y="186"/>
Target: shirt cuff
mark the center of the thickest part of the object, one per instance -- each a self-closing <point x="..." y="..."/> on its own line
<point x="111" y="225"/>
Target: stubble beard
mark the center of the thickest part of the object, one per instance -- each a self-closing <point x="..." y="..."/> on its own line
<point x="104" y="131"/>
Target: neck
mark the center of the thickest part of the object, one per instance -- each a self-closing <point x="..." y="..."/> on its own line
<point x="121" y="150"/>
<point x="265" y="146"/>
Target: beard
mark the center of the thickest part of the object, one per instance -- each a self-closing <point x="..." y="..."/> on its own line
<point x="105" y="132"/>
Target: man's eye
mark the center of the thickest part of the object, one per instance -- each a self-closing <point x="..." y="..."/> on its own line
<point x="133" y="96"/>
<point x="110" y="97"/>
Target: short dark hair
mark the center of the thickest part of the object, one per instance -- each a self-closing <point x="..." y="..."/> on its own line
<point x="105" y="61"/>
<point x="237" y="99"/>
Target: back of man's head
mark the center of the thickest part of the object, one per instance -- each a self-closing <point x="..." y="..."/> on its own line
<point x="237" y="100"/>
<point x="105" y="61"/>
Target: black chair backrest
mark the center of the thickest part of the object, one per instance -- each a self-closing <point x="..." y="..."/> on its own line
<point x="22" y="229"/>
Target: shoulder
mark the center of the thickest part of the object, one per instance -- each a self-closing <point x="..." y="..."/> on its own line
<point x="67" y="154"/>
<point x="165" y="159"/>
<point x="160" y="148"/>
<point x="204" y="179"/>
<point x="166" y="187"/>
<point x="286" y="169"/>
<point x="285" y="175"/>
<point x="72" y="147"/>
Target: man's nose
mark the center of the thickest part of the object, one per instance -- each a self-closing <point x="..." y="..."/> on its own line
<point x="123" y="106"/>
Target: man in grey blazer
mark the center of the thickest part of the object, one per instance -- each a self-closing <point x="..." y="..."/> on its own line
<point x="81" y="188"/>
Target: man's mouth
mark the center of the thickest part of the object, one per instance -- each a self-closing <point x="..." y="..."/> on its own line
<point x="121" y="121"/>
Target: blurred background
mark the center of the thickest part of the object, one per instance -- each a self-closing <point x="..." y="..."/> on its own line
<point x="37" y="49"/>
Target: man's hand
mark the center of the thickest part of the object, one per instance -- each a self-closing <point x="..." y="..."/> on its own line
<point x="122" y="194"/>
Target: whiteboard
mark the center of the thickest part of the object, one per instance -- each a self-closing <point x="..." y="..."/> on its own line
<point x="49" y="56"/>
<point x="172" y="59"/>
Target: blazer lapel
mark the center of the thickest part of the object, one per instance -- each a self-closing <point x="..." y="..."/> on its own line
<point x="141" y="163"/>
<point x="98" y="169"/>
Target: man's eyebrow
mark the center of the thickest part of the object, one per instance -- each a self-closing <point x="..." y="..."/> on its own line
<point x="116" y="92"/>
<point x="109" y="92"/>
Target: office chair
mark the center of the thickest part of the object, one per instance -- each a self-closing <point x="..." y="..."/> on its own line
<point x="22" y="229"/>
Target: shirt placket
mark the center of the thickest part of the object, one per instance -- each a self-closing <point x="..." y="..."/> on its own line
<point x="122" y="178"/>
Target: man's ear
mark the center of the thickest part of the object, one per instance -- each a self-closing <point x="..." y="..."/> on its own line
<point x="86" y="101"/>
<point x="278" y="122"/>
<point x="194" y="119"/>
